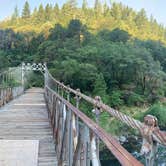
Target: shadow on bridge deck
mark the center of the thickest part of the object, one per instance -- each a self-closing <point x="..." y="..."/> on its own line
<point x="26" y="118"/>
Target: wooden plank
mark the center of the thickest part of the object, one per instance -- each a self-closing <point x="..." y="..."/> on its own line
<point x="26" y="118"/>
<point x="19" y="152"/>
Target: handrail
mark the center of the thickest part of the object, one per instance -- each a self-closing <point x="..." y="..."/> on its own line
<point x="151" y="134"/>
<point x="9" y="93"/>
<point x="76" y="135"/>
<point x="158" y="135"/>
<point x="124" y="157"/>
<point x="7" y="90"/>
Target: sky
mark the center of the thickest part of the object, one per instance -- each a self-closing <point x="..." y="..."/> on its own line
<point x="155" y="7"/>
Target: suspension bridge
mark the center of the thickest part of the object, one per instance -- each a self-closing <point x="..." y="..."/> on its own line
<point x="46" y="127"/>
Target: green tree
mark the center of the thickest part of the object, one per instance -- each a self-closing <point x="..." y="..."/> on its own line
<point x="4" y="62"/>
<point x="41" y="14"/>
<point x="116" y="11"/>
<point x="118" y="35"/>
<point x="72" y="3"/>
<point x="48" y="10"/>
<point x="26" y="10"/>
<point x="15" y="14"/>
<point x="57" y="33"/>
<point x="105" y="9"/>
<point x="100" y="87"/>
<point x="98" y="7"/>
<point x="75" y="28"/>
<point x="56" y="11"/>
<point x="84" y="5"/>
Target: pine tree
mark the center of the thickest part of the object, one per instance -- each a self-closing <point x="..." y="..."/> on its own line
<point x="34" y="14"/>
<point x="70" y="9"/>
<point x="105" y="9"/>
<point x="40" y="14"/>
<point x="141" y="18"/>
<point x="26" y="10"/>
<point x="72" y="3"/>
<point x="84" y="5"/>
<point x="15" y="14"/>
<point x="48" y="10"/>
<point x="56" y="8"/>
<point x="56" y="11"/>
<point x="116" y="11"/>
<point x="98" y="7"/>
<point x="100" y="87"/>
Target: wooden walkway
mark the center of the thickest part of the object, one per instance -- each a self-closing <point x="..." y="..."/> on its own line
<point x="26" y="118"/>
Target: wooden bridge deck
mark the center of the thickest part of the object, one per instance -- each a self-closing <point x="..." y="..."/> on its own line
<point x="26" y="118"/>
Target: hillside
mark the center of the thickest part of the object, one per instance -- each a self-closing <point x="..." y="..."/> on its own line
<point x="101" y="16"/>
<point x="113" y="52"/>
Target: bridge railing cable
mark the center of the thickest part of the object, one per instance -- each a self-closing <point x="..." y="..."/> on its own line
<point x="76" y="135"/>
<point x="151" y="134"/>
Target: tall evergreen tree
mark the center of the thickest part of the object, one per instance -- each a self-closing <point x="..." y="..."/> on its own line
<point x="105" y="9"/>
<point x="15" y="14"/>
<point x="40" y="14"/>
<point x="98" y="7"/>
<point x="48" y="10"/>
<point x="100" y="87"/>
<point x="84" y="5"/>
<point x="69" y="9"/>
<point x="56" y="8"/>
<point x="72" y="3"/>
<point x="141" y="18"/>
<point x="56" y="11"/>
<point x="26" y="10"/>
<point x="116" y="10"/>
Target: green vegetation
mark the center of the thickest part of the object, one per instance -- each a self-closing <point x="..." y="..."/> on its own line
<point x="158" y="110"/>
<point x="99" y="17"/>
<point x="113" y="52"/>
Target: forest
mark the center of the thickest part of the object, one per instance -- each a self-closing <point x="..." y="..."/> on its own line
<point x="108" y="50"/>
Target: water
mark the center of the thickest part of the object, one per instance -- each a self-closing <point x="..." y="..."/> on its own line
<point x="133" y="146"/>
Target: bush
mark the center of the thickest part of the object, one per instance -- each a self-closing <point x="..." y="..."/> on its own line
<point x="132" y="98"/>
<point x="35" y="80"/>
<point x="116" y="100"/>
<point x="158" y="110"/>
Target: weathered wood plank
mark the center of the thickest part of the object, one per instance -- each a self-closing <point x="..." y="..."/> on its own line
<point x="26" y="118"/>
<point x="19" y="152"/>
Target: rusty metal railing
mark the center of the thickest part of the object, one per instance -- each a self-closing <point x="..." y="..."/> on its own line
<point x="10" y="84"/>
<point x="9" y="93"/>
<point x="76" y="135"/>
<point x="55" y="90"/>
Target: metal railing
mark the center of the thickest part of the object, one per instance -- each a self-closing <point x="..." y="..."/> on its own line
<point x="76" y="136"/>
<point x="75" y="133"/>
<point x="10" y="84"/>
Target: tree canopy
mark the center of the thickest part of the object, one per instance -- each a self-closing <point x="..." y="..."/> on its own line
<point x="100" y="16"/>
<point x="113" y="52"/>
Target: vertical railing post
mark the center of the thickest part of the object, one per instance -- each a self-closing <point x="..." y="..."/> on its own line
<point x="94" y="150"/>
<point x="45" y="78"/>
<point x="77" y="98"/>
<point x="149" y="146"/>
<point x="3" y="80"/>
<point x="22" y="74"/>
<point x="97" y="112"/>
<point x="0" y="97"/>
<point x="68" y="94"/>
<point x="62" y="90"/>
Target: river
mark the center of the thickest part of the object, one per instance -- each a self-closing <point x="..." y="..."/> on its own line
<point x="133" y="145"/>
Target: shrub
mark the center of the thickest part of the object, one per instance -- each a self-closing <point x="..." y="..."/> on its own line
<point x="116" y="100"/>
<point x="158" y="110"/>
<point x="132" y="98"/>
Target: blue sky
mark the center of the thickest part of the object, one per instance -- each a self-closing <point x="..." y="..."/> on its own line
<point x="155" y="7"/>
